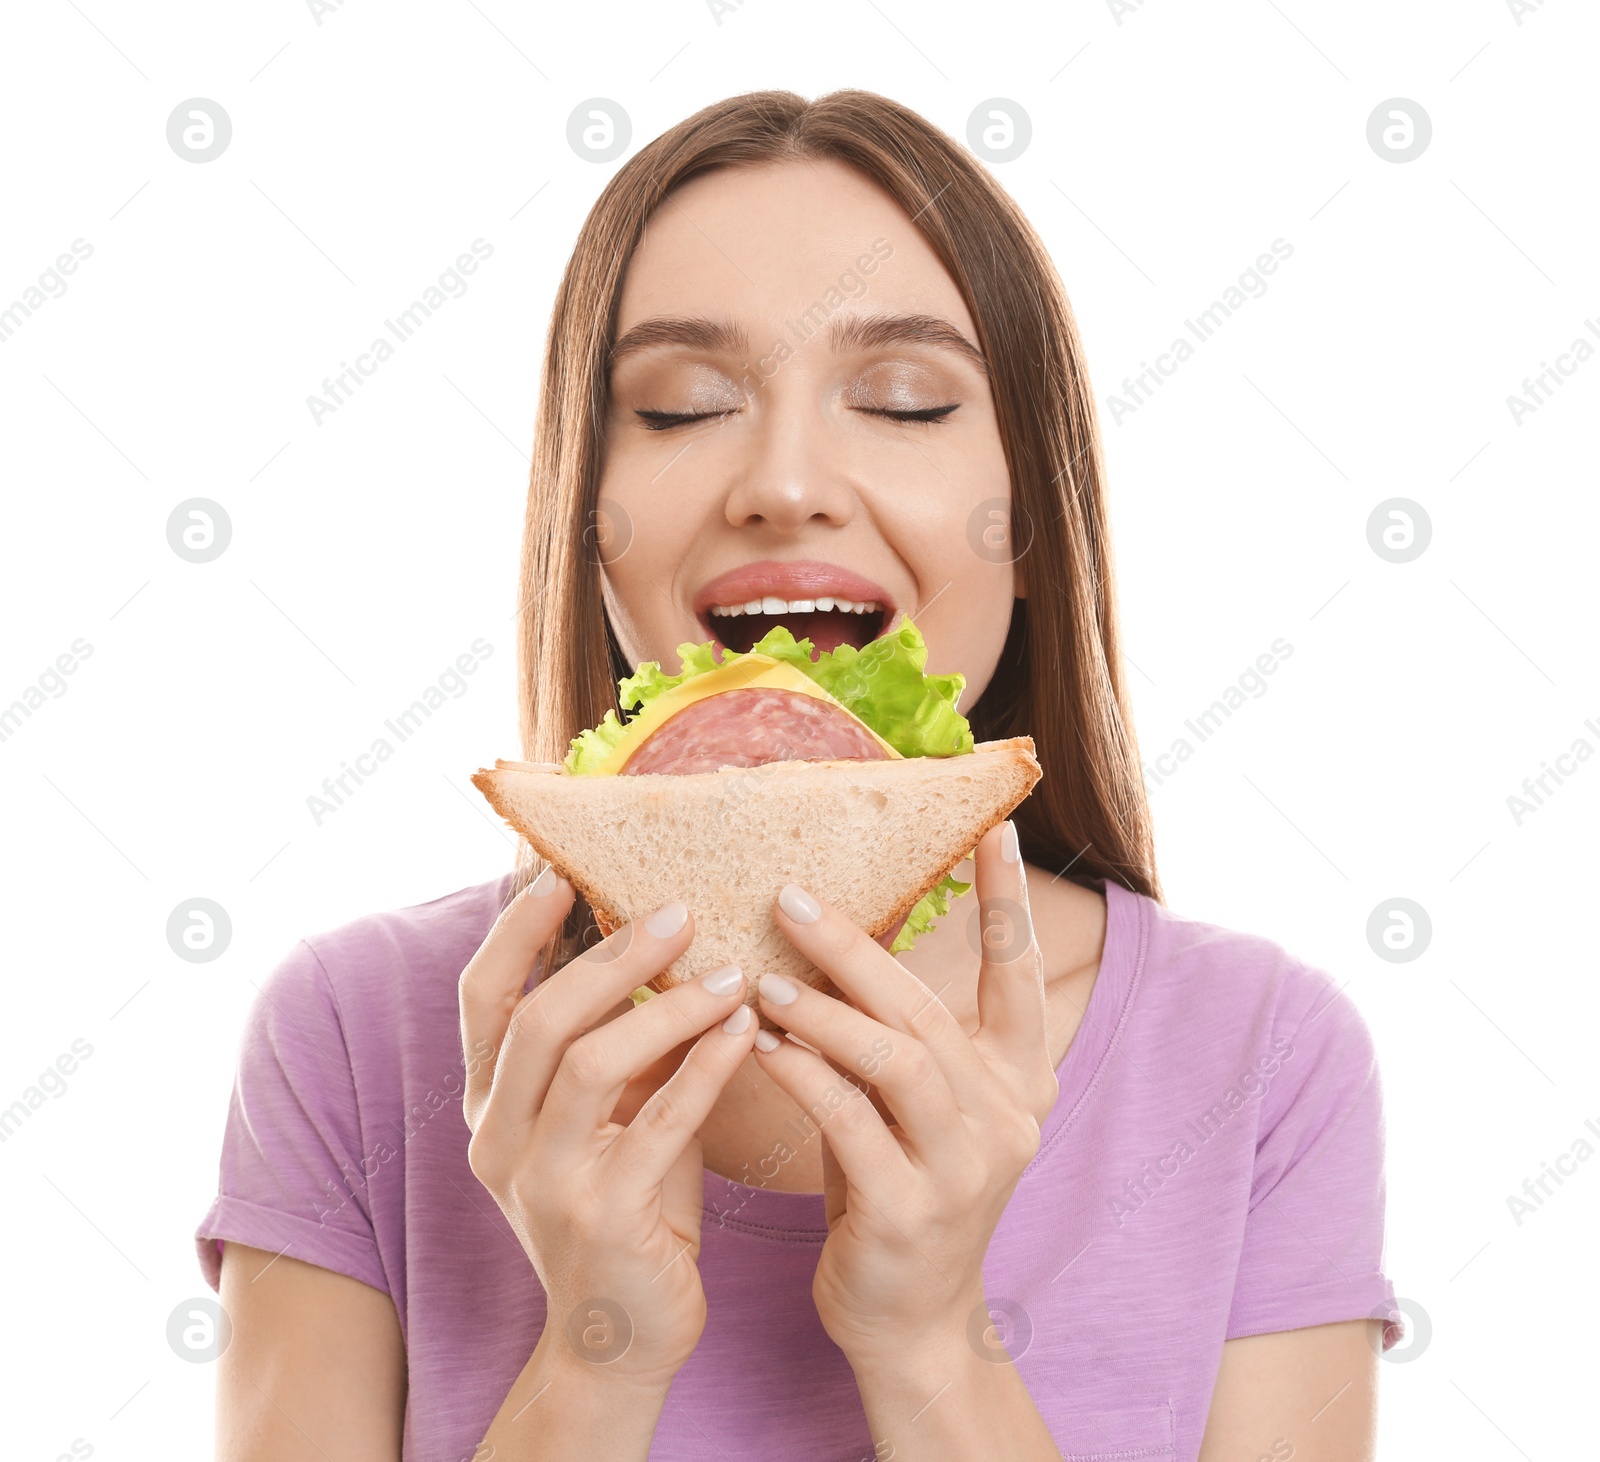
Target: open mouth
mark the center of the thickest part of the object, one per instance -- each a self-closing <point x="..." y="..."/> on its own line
<point x="827" y="622"/>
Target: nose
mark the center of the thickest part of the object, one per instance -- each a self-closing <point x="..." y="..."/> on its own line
<point x="793" y="472"/>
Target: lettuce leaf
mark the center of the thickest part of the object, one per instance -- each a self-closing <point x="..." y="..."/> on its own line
<point x="883" y="683"/>
<point x="591" y="748"/>
<point x="935" y="904"/>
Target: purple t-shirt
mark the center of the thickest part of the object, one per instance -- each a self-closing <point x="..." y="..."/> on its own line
<point x="1212" y="1168"/>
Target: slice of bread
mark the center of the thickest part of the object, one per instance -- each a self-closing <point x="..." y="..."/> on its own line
<point x="870" y="837"/>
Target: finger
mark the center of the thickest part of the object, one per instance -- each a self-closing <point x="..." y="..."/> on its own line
<point x="1011" y="1001"/>
<point x="873" y="1160"/>
<point x="492" y="983"/>
<point x="658" y="1134"/>
<point x="597" y="1066"/>
<point x="876" y="982"/>
<point x="903" y="1071"/>
<point x="575" y="999"/>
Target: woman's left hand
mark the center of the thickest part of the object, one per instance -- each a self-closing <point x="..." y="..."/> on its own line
<point x="917" y="1176"/>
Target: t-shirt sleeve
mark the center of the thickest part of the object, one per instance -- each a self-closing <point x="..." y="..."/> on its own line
<point x="1314" y="1237"/>
<point x="292" y="1143"/>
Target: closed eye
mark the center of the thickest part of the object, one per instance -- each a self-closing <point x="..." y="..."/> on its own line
<point x="925" y="413"/>
<point x="666" y="420"/>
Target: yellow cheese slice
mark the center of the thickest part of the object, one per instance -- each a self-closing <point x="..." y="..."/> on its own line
<point x="747" y="672"/>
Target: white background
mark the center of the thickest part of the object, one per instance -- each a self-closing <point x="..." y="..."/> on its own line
<point x="1169" y="149"/>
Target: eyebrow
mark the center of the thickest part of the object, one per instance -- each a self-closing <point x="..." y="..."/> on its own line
<point x="695" y="332"/>
<point x="856" y="332"/>
<point x="862" y="332"/>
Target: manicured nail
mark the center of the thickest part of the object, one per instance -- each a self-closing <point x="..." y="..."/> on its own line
<point x="765" y="1040"/>
<point x="738" y="1021"/>
<point x="724" y="982"/>
<point x="1009" y="851"/>
<point x="778" y="990"/>
<point x="544" y="884"/>
<point x="798" y="904"/>
<point x="667" y="920"/>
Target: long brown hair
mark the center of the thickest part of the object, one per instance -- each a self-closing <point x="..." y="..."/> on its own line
<point x="1060" y="677"/>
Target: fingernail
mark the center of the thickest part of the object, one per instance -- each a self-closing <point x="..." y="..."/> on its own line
<point x="724" y="981"/>
<point x="544" y="884"/>
<point x="1009" y="851"/>
<point x="667" y="920"/>
<point x="765" y="1040"/>
<point x="798" y="904"/>
<point x="778" y="990"/>
<point x="738" y="1021"/>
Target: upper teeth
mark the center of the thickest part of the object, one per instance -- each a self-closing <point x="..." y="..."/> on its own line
<point x="771" y="604"/>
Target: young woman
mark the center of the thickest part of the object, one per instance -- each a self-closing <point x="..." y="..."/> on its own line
<point x="1117" y="1191"/>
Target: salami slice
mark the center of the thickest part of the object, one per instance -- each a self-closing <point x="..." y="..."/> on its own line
<point x="749" y="727"/>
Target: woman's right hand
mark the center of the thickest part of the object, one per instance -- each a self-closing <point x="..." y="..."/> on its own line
<point x="608" y="1214"/>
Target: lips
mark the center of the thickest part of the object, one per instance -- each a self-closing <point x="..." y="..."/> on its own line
<point x="784" y="588"/>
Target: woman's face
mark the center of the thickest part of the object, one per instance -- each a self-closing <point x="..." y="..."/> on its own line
<point x="799" y="416"/>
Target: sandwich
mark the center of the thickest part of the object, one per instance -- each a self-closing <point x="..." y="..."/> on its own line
<point x="850" y="772"/>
